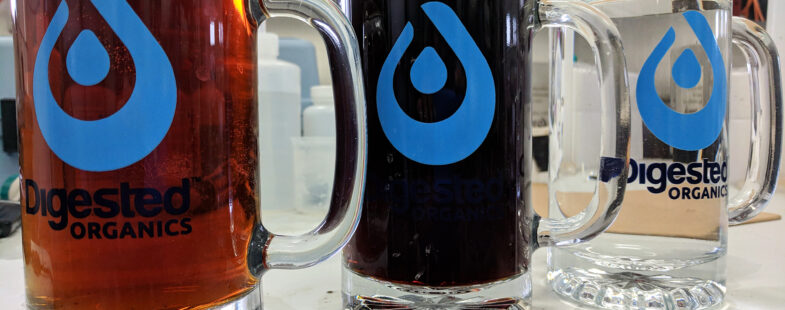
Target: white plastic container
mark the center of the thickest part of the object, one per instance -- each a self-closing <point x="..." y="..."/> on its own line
<point x="319" y="119"/>
<point x="314" y="173"/>
<point x="9" y="162"/>
<point x="315" y="152"/>
<point x="279" y="123"/>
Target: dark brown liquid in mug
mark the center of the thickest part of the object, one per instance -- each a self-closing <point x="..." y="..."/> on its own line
<point x="129" y="260"/>
<point x="450" y="225"/>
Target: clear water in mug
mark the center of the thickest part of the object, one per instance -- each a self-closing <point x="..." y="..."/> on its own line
<point x="661" y="253"/>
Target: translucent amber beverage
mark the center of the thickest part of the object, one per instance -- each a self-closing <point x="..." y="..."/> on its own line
<point x="138" y="123"/>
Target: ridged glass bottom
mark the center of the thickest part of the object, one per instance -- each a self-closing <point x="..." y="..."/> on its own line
<point x="630" y="290"/>
<point x="639" y="272"/>
<point x="364" y="293"/>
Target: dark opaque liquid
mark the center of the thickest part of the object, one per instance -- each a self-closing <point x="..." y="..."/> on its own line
<point x="211" y="143"/>
<point x="459" y="224"/>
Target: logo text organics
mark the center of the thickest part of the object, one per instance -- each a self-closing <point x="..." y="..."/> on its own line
<point x="112" y="213"/>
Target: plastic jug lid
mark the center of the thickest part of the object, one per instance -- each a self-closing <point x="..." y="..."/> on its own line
<point x="322" y="95"/>
<point x="268" y="45"/>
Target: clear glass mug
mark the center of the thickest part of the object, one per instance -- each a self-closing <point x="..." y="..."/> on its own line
<point x="448" y="221"/>
<point x="667" y="248"/>
<point x="139" y="158"/>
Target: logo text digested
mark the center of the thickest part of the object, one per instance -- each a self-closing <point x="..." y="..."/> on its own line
<point x="708" y="177"/>
<point x="124" y="202"/>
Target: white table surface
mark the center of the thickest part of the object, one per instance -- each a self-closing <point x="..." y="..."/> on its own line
<point x="756" y="272"/>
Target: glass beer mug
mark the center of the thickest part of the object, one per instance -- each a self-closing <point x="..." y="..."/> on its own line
<point x="667" y="248"/>
<point x="447" y="221"/>
<point x="138" y="128"/>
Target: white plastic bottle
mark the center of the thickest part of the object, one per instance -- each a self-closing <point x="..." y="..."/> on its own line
<point x="319" y="119"/>
<point x="279" y="122"/>
<point x="315" y="153"/>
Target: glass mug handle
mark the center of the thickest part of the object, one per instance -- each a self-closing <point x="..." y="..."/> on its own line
<point x="761" y="181"/>
<point x="270" y="251"/>
<point x="605" y="40"/>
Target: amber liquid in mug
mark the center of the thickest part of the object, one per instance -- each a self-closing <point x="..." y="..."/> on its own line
<point x="187" y="245"/>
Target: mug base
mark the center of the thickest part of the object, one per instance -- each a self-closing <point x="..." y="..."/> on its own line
<point x="631" y="290"/>
<point x="361" y="293"/>
<point x="250" y="301"/>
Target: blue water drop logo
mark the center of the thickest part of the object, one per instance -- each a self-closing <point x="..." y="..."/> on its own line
<point x="131" y="133"/>
<point x="689" y="132"/>
<point x="429" y="73"/>
<point x="87" y="60"/>
<point x="457" y="137"/>
<point x="686" y="71"/>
